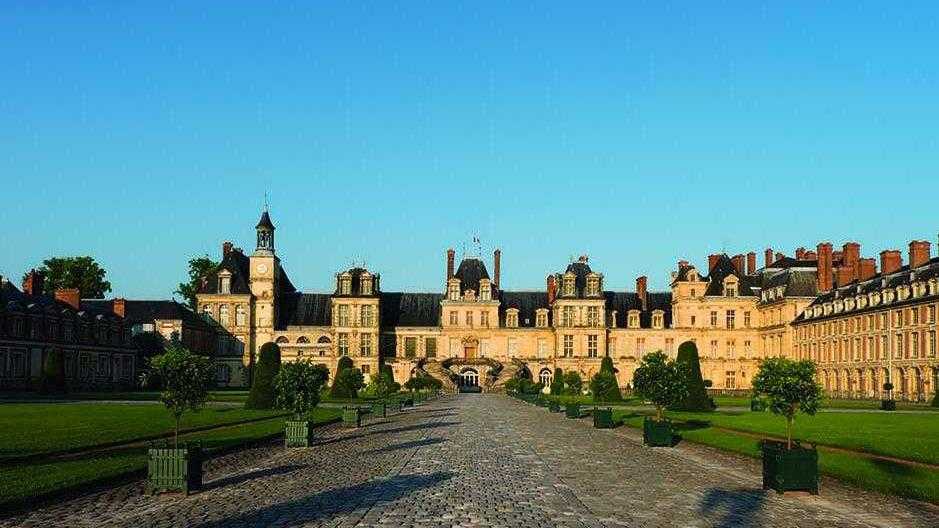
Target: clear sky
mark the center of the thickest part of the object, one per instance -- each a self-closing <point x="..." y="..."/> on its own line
<point x="639" y="133"/>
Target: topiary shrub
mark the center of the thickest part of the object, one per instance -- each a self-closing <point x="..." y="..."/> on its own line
<point x="603" y="385"/>
<point x="557" y="382"/>
<point x="696" y="399"/>
<point x="297" y="386"/>
<point x="262" y="386"/>
<point x="573" y="384"/>
<point x="53" y="373"/>
<point x="384" y="384"/>
<point x="661" y="381"/>
<point x="347" y="382"/>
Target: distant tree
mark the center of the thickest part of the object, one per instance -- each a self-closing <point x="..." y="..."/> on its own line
<point x="660" y="381"/>
<point x="199" y="268"/>
<point x="262" y="386"/>
<point x="790" y="387"/>
<point x="75" y="272"/>
<point x="557" y="382"/>
<point x="574" y="385"/>
<point x="697" y="398"/>
<point x="186" y="380"/>
<point x="603" y="385"/>
<point x="297" y="386"/>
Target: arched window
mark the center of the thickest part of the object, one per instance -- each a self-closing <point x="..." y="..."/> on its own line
<point x="324" y="340"/>
<point x="545" y="377"/>
<point x="223" y="314"/>
<point x="281" y="340"/>
<point x="240" y="315"/>
<point x="302" y="340"/>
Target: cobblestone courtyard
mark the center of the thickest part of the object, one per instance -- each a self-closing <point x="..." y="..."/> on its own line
<point x="481" y="460"/>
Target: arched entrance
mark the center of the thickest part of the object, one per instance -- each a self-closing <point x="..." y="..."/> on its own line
<point x="545" y="377"/>
<point x="469" y="378"/>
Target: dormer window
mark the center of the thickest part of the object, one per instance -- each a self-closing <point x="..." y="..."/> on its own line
<point x="693" y="276"/>
<point x="568" y="284"/>
<point x="345" y="284"/>
<point x="485" y="290"/>
<point x="511" y="318"/>
<point x="731" y="290"/>
<point x="224" y="283"/>
<point x="632" y="321"/>
<point x="658" y="319"/>
<point x="541" y="318"/>
<point x="365" y="283"/>
<point x="453" y="290"/>
<point x="593" y="285"/>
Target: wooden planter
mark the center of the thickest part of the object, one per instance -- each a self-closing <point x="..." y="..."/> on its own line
<point x="298" y="433"/>
<point x="656" y="433"/>
<point x="603" y="418"/>
<point x="572" y="410"/>
<point x="888" y="405"/>
<point x="170" y="469"/>
<point x="352" y="417"/>
<point x="789" y="469"/>
<point x="380" y="409"/>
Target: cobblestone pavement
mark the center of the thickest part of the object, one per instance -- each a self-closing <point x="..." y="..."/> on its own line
<point x="481" y="460"/>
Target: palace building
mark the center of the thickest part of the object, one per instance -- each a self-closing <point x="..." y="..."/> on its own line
<point x="477" y="331"/>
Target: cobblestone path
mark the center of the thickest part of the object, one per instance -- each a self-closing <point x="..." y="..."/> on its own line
<point x="481" y="460"/>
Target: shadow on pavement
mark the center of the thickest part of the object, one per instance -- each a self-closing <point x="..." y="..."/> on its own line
<point x="409" y="445"/>
<point x="737" y="508"/>
<point x="251" y="475"/>
<point x="332" y="503"/>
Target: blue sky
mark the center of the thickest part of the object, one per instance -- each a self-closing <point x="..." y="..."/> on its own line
<point x="639" y="133"/>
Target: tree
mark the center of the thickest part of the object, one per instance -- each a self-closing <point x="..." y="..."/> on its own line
<point x="148" y="344"/>
<point x="347" y="384"/>
<point x="790" y="387"/>
<point x="384" y="384"/>
<point x="186" y="379"/>
<point x="82" y="273"/>
<point x="199" y="269"/>
<point x="697" y="398"/>
<point x="557" y="382"/>
<point x="297" y="386"/>
<point x="603" y="385"/>
<point x="573" y="382"/>
<point x="660" y="381"/>
<point x="262" y="386"/>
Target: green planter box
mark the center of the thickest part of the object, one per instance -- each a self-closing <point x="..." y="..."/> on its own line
<point x="380" y="409"/>
<point x="657" y="434"/>
<point x="554" y="407"/>
<point x="298" y="433"/>
<point x="572" y="410"/>
<point x="352" y="417"/>
<point x="170" y="469"/>
<point x="603" y="418"/>
<point x="888" y="405"/>
<point x="757" y="405"/>
<point x="789" y="469"/>
<point x="408" y="402"/>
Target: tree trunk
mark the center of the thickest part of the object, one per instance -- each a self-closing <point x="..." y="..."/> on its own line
<point x="788" y="433"/>
<point x="658" y="413"/>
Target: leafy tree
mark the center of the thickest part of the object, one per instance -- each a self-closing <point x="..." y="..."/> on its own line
<point x="199" y="268"/>
<point x="344" y="363"/>
<point x="297" y="386"/>
<point x="660" y="381"/>
<point x="148" y="344"/>
<point x="697" y="398"/>
<point x="347" y="384"/>
<point x="53" y="372"/>
<point x="574" y="385"/>
<point x="790" y="387"/>
<point x="74" y="272"/>
<point x="423" y="382"/>
<point x="384" y="384"/>
<point x="557" y="382"/>
<point x="603" y="385"/>
<point x="186" y="380"/>
<point x="262" y="386"/>
<point x="512" y="385"/>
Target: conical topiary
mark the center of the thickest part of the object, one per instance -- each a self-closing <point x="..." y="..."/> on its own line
<point x="262" y="386"/>
<point x="557" y="383"/>
<point x="697" y="397"/>
<point x="603" y="385"/>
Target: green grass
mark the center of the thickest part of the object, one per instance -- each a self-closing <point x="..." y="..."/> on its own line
<point x="21" y="483"/>
<point x="879" y="475"/>
<point x="227" y="395"/>
<point x="587" y="399"/>
<point x="35" y="428"/>
<point x="743" y="401"/>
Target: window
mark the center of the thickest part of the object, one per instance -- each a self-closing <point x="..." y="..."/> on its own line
<point x="898" y="352"/>
<point x="713" y="318"/>
<point x="513" y="347"/>
<point x="342" y="344"/>
<point x="694" y="292"/>
<point x="567" y="316"/>
<point x="932" y="343"/>
<point x="223" y="314"/>
<point x="569" y="284"/>
<point x="224" y="285"/>
<point x="633" y="320"/>
<point x="593" y="316"/>
<point x="568" y="345"/>
<point x="931" y="314"/>
<point x="731" y="318"/>
<point x="640" y="346"/>
<point x="730" y="379"/>
<point x="430" y="347"/>
<point x="914" y="345"/>
<point x="345" y="285"/>
<point x="365" y="345"/>
<point x="731" y="290"/>
<point x="658" y="320"/>
<point x="693" y="320"/>
<point x="914" y="316"/>
<point x="366" y="369"/>
<point x="746" y="319"/>
<point x="367" y="315"/>
<point x="669" y="345"/>
<point x="241" y="316"/>
<point x="713" y="349"/>
<point x="365" y="285"/>
<point x="410" y="347"/>
<point x="592" y="345"/>
<point x="453" y="291"/>
<point x="344" y="318"/>
<point x="542" y="347"/>
<point x="454" y="318"/>
<point x="541" y="319"/>
<point x="545" y="377"/>
<point x="469" y="318"/>
<point x="731" y="349"/>
<point x="511" y="318"/>
<point x="593" y="286"/>
<point x="207" y="311"/>
<point x="747" y="348"/>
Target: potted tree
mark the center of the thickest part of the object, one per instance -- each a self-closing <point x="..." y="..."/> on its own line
<point x="297" y="387"/>
<point x="664" y="383"/>
<point x="789" y="387"/>
<point x="888" y="403"/>
<point x="185" y="378"/>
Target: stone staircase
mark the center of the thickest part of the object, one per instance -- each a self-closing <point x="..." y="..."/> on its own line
<point x="508" y="372"/>
<point x="437" y="371"/>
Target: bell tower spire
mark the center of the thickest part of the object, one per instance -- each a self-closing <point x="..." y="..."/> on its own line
<point x="265" y="231"/>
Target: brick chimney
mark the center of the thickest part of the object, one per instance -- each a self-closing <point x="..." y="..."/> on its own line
<point x="823" y="281"/>
<point x="117" y="306"/>
<point x="712" y="261"/>
<point x="33" y="283"/>
<point x="682" y="263"/>
<point x="867" y="269"/>
<point x="226" y="248"/>
<point x="850" y="257"/>
<point x="919" y="253"/>
<point x="768" y="257"/>
<point x="738" y="262"/>
<point x="890" y="261"/>
<point x="451" y="255"/>
<point x="751" y="263"/>
<point x="779" y="256"/>
<point x="552" y="289"/>
<point x="836" y="257"/>
<point x="810" y="255"/>
<point x="497" y="264"/>
<point x="800" y="253"/>
<point x="845" y="275"/>
<point x="641" y="284"/>
<point x="70" y="296"/>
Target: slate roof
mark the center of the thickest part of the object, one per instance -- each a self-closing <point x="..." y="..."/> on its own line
<point x="239" y="265"/>
<point x="410" y="309"/>
<point x="470" y="272"/>
<point x="623" y="302"/>
<point x="356" y="274"/>
<point x="304" y="309"/>
<point x="265" y="221"/>
<point x="748" y="284"/>
<point x="527" y="303"/>
<point x="144" y="311"/>
<point x="796" y="282"/>
<point x="14" y="300"/>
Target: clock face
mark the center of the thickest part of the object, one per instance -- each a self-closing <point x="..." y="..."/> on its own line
<point x="262" y="268"/>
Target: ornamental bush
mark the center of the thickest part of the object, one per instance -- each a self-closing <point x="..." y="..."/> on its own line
<point x="262" y="384"/>
<point x="384" y="384"/>
<point x="789" y="387"/>
<point x="573" y="384"/>
<point x="347" y="383"/>
<point x="661" y="381"/>
<point x="603" y="385"/>
<point x="297" y="386"/>
<point x="186" y="379"/>
<point x="697" y="398"/>
<point x="557" y="382"/>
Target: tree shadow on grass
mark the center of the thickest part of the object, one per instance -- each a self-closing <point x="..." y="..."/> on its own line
<point x="409" y="445"/>
<point x="733" y="508"/>
<point x="331" y="503"/>
<point x="893" y="468"/>
<point x="252" y="475"/>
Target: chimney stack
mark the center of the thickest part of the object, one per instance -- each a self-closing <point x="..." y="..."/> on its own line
<point x="641" y="283"/>
<point x="850" y="258"/>
<point x="800" y="253"/>
<point x="845" y="275"/>
<point x="33" y="283"/>
<point x="70" y="296"/>
<point x="751" y="263"/>
<point x="810" y="255"/>
<point x="118" y="307"/>
<point x="823" y="280"/>
<point x="226" y="248"/>
<point x="779" y="256"/>
<point x="682" y="263"/>
<point x="497" y="264"/>
<point x="868" y="269"/>
<point x="712" y="261"/>
<point x="552" y="289"/>
<point x="738" y="261"/>
<point x="450" y="257"/>
<point x="767" y="257"/>
<point x="919" y="253"/>
<point x="890" y="261"/>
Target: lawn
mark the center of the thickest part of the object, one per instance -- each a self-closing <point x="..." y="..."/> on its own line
<point x="22" y="483"/>
<point x="740" y="401"/>
<point x="227" y="395"/>
<point x="888" y="434"/>
<point x="36" y="428"/>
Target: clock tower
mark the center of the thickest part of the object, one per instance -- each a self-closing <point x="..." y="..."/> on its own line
<point x="264" y="276"/>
